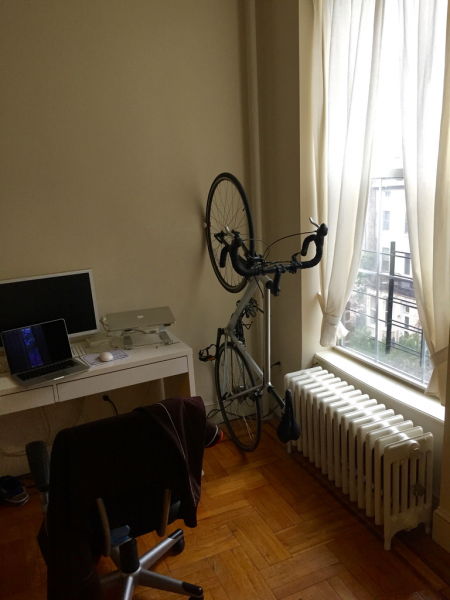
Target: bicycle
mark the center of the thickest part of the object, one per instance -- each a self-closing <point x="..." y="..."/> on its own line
<point x="239" y="381"/>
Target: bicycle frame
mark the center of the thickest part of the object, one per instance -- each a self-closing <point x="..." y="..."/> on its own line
<point x="262" y="375"/>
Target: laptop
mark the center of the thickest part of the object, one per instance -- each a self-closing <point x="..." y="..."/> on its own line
<point x="140" y="319"/>
<point x="40" y="353"/>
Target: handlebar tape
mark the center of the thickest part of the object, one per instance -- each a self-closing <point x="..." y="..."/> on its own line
<point x="318" y="239"/>
<point x="223" y="256"/>
<point x="239" y="264"/>
<point x="275" y="287"/>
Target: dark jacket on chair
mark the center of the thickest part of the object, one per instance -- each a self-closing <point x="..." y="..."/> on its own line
<point x="159" y="445"/>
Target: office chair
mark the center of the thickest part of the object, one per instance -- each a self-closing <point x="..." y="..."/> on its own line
<point x="86" y="523"/>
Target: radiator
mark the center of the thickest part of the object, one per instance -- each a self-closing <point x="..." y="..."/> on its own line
<point x="381" y="461"/>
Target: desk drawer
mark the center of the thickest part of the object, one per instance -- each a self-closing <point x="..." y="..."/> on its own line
<point x="96" y="384"/>
<point x="30" y="398"/>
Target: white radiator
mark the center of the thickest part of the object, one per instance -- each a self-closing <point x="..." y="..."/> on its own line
<point x="380" y="460"/>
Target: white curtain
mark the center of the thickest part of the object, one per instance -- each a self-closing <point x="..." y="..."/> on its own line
<point x="426" y="167"/>
<point x="346" y="55"/>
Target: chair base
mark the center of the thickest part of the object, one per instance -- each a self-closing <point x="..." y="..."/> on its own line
<point x="122" y="582"/>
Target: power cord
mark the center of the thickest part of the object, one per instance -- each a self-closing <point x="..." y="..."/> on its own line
<point x="213" y="412"/>
<point x="104" y="324"/>
<point x="106" y="398"/>
<point x="272" y="410"/>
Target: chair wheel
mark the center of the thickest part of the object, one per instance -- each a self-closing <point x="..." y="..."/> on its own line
<point x="178" y="547"/>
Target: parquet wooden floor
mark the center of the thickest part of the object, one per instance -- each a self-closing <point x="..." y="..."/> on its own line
<point x="267" y="530"/>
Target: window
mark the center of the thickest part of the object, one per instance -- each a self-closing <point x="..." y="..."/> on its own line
<point x="381" y="314"/>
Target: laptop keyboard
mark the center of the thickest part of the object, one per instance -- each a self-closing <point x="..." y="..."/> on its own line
<point x="46" y="370"/>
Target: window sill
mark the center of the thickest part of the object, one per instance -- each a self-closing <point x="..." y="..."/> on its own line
<point x="382" y="369"/>
<point x="379" y="385"/>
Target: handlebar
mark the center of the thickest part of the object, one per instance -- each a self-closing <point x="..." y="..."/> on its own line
<point x="253" y="266"/>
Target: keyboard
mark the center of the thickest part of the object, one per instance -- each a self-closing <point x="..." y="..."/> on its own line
<point x="46" y="370"/>
<point x="78" y="350"/>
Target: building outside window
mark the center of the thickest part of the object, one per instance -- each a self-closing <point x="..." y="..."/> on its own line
<point x="407" y="264"/>
<point x="385" y="259"/>
<point x="386" y="217"/>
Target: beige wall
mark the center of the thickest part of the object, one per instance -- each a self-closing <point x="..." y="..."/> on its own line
<point x="115" y="119"/>
<point x="278" y="78"/>
<point x="311" y="313"/>
<point x="284" y="60"/>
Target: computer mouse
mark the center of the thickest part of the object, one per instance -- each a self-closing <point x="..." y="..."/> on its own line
<point x="106" y="356"/>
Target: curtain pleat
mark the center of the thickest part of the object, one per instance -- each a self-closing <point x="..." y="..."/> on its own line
<point x="346" y="57"/>
<point x="426" y="158"/>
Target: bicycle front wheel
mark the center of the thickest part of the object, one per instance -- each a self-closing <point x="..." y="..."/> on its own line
<point x="227" y="210"/>
<point x="242" y="415"/>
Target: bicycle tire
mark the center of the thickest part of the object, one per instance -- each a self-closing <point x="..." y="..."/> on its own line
<point x="242" y="416"/>
<point x="228" y="207"/>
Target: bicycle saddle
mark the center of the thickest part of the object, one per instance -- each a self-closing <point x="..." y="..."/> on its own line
<point x="288" y="430"/>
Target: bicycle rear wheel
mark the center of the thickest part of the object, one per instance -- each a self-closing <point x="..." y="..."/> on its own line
<point x="227" y="210"/>
<point x="242" y="415"/>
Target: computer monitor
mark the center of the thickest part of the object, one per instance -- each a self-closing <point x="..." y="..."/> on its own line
<point x="69" y="296"/>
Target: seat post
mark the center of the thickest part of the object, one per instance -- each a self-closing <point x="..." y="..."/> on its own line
<point x="129" y="558"/>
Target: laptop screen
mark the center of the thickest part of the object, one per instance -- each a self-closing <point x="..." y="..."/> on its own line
<point x="28" y="348"/>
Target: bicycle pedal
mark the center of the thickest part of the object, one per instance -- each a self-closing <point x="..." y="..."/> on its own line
<point x="205" y="356"/>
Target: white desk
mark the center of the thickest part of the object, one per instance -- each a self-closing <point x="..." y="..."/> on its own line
<point x="174" y="364"/>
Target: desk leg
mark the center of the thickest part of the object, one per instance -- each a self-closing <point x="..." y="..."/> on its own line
<point x="191" y="375"/>
<point x="181" y="385"/>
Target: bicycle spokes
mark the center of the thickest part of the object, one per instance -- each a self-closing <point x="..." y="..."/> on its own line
<point x="241" y="410"/>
